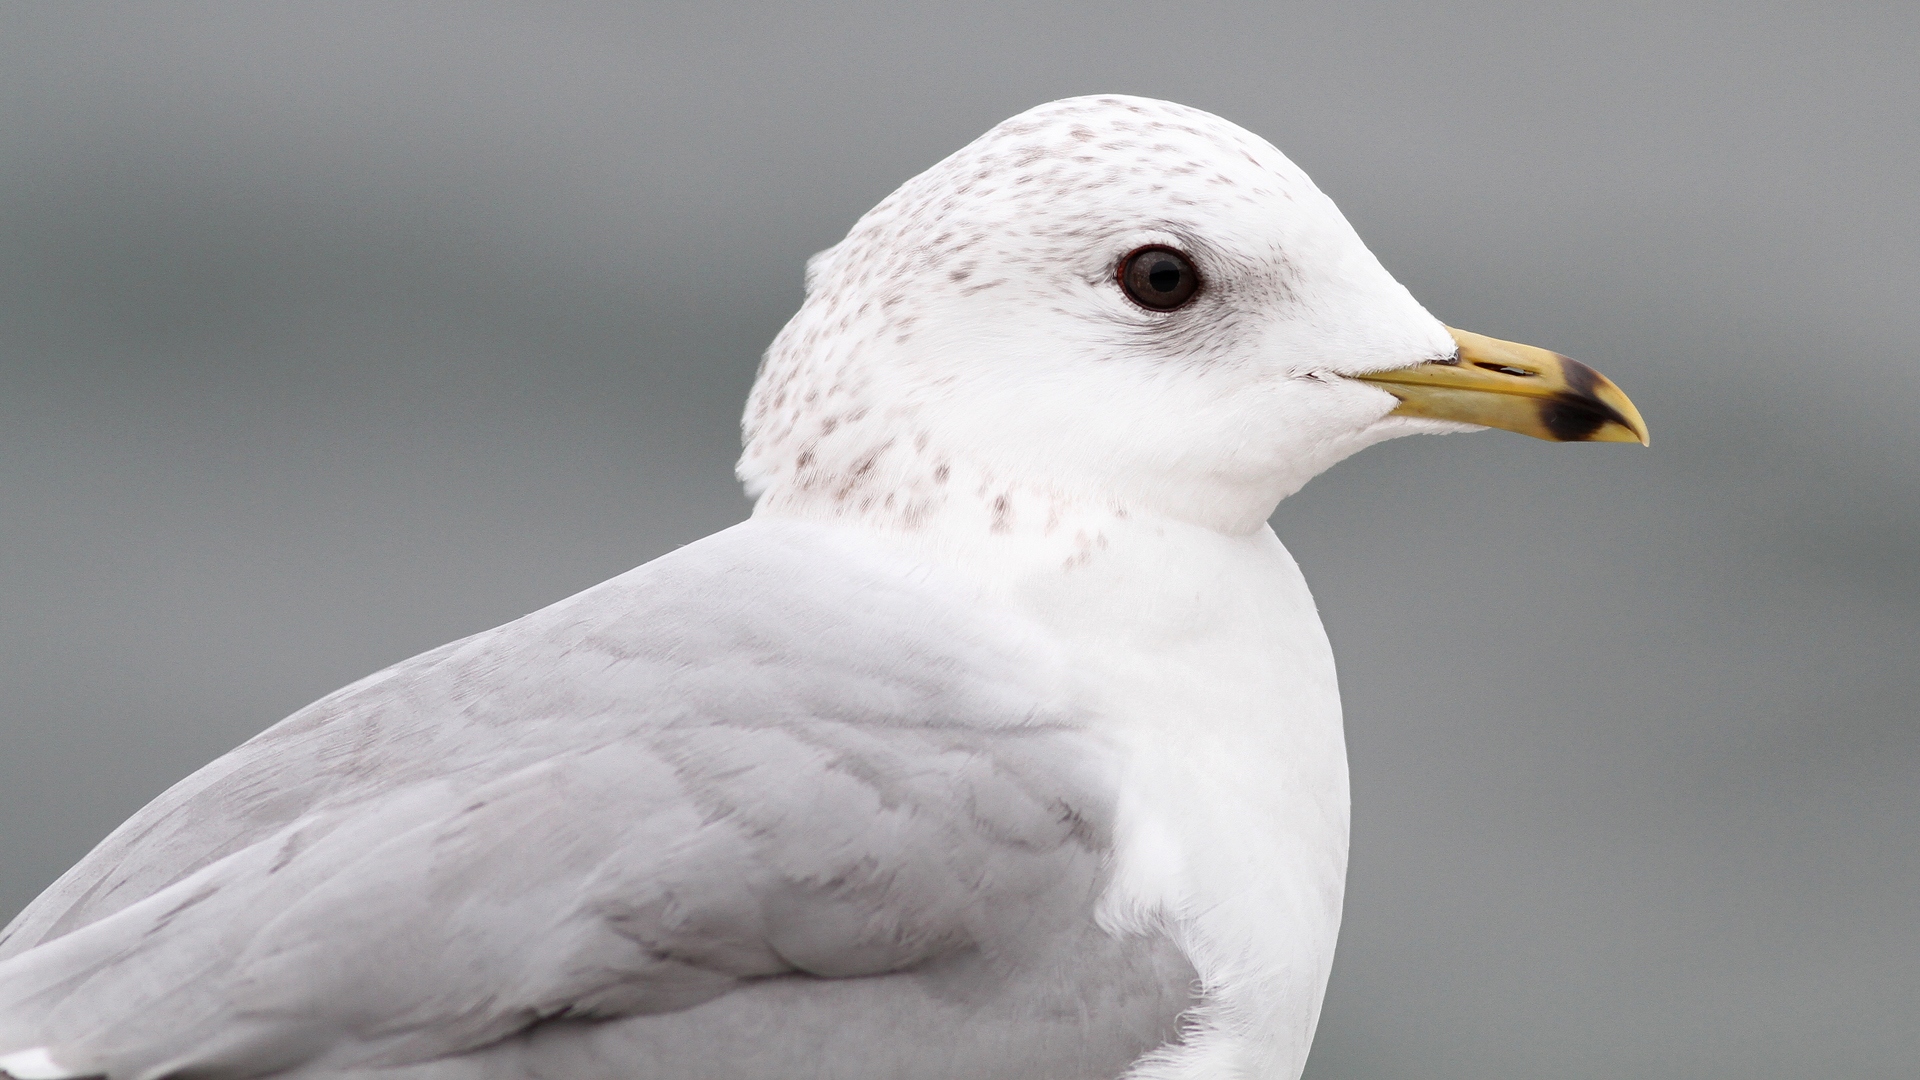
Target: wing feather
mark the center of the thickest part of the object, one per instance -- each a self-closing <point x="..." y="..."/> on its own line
<point x="762" y="757"/>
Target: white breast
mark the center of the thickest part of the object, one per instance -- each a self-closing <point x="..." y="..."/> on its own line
<point x="1210" y="663"/>
<point x="1201" y="660"/>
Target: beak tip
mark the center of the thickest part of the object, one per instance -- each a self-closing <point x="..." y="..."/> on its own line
<point x="1632" y="416"/>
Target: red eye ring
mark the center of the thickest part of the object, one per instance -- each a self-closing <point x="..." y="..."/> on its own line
<point x="1158" y="277"/>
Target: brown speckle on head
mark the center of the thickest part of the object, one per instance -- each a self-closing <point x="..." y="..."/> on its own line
<point x="1002" y="513"/>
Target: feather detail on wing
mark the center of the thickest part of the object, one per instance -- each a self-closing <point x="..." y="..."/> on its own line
<point x="754" y="758"/>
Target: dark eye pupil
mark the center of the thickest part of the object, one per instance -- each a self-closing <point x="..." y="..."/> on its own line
<point x="1158" y="277"/>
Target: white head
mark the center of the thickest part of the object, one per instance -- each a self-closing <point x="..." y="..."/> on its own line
<point x="971" y="342"/>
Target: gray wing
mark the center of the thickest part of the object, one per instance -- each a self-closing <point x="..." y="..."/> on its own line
<point x="757" y="767"/>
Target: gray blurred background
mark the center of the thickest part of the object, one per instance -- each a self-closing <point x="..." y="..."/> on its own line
<point x="330" y="332"/>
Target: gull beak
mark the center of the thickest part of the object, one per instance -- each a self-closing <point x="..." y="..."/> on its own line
<point x="1517" y="387"/>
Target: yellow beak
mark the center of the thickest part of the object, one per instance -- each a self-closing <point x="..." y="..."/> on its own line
<point x="1516" y="387"/>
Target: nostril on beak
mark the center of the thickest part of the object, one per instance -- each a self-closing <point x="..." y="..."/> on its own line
<point x="1507" y="369"/>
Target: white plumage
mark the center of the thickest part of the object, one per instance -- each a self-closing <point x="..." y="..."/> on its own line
<point x="1003" y="741"/>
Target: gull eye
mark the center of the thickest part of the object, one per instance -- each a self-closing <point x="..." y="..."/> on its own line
<point x="1159" y="277"/>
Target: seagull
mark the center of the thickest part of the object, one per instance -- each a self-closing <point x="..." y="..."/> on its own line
<point x="1003" y="740"/>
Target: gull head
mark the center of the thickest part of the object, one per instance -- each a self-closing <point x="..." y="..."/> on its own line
<point x="1118" y="303"/>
